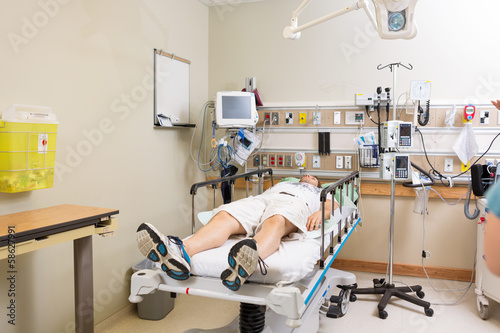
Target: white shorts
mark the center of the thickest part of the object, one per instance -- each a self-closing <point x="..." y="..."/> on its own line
<point x="251" y="212"/>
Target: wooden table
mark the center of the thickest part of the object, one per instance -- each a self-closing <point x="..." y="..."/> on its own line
<point x="35" y="229"/>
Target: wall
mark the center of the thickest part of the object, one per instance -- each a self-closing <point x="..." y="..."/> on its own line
<point x="92" y="62"/>
<point x="332" y="62"/>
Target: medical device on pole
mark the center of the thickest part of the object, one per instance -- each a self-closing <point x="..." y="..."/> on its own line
<point x="394" y="166"/>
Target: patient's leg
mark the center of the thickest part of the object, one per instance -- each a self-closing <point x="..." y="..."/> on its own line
<point x="269" y="236"/>
<point x="214" y="233"/>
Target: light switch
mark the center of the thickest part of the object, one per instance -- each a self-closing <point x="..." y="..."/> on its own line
<point x="340" y="162"/>
<point x="336" y="118"/>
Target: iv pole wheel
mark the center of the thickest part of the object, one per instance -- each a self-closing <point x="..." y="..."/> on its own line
<point x="382" y="314"/>
<point x="420" y="294"/>
<point x="429" y="312"/>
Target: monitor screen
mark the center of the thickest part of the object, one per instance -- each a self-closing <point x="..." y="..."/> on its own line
<point x="236" y="107"/>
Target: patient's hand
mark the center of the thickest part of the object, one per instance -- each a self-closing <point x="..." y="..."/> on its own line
<point x="496" y="103"/>
<point x="314" y="221"/>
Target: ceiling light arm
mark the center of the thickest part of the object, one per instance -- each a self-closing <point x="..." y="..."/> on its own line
<point x="293" y="31"/>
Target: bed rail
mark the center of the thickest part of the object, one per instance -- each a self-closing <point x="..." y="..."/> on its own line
<point x="351" y="182"/>
<point x="214" y="183"/>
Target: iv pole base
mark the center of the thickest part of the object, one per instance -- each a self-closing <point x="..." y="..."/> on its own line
<point x="388" y="291"/>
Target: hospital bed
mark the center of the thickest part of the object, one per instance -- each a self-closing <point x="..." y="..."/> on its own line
<point x="299" y="282"/>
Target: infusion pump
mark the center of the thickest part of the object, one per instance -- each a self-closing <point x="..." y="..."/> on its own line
<point x="395" y="165"/>
<point x="396" y="134"/>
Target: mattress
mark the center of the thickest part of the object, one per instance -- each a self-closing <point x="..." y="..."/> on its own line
<point x="294" y="260"/>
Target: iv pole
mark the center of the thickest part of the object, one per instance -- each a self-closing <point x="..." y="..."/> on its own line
<point x="394" y="66"/>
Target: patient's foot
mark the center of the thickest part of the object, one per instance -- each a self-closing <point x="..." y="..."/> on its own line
<point x="168" y="251"/>
<point x="243" y="258"/>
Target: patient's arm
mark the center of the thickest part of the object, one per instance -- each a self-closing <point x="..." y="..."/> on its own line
<point x="314" y="221"/>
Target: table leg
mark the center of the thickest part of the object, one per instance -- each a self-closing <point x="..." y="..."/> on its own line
<point x="84" y="285"/>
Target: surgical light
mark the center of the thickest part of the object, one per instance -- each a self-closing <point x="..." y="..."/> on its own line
<point x="393" y="18"/>
<point x="396" y="21"/>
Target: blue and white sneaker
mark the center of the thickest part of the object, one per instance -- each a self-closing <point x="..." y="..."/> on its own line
<point x="243" y="258"/>
<point x="168" y="251"/>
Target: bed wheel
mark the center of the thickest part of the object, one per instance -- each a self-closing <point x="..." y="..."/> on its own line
<point x="420" y="294"/>
<point x="482" y="306"/>
<point x="429" y="312"/>
<point x="340" y="304"/>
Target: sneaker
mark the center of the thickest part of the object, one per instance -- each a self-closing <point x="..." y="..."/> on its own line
<point x="168" y="251"/>
<point x="242" y="258"/>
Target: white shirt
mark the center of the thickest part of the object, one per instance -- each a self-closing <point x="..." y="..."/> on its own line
<point x="309" y="193"/>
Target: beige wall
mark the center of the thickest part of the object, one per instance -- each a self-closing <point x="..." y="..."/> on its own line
<point x="91" y="61"/>
<point x="332" y="62"/>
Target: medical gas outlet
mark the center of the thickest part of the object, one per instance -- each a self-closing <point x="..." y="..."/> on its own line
<point x="316" y="162"/>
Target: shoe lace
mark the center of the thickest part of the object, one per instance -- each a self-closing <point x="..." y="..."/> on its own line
<point x="262" y="266"/>
<point x="177" y="241"/>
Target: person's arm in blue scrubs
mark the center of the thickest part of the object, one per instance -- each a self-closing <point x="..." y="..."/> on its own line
<point x="492" y="230"/>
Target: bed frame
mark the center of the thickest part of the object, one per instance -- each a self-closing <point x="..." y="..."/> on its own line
<point x="266" y="307"/>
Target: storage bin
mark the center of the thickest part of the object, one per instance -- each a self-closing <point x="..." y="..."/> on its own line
<point x="153" y="306"/>
<point x="27" y="148"/>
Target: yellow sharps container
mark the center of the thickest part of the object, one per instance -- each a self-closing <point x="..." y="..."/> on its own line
<point x="27" y="148"/>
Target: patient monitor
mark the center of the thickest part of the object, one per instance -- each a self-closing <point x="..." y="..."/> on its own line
<point x="235" y="109"/>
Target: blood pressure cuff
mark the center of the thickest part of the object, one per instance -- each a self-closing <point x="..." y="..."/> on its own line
<point x="493" y="197"/>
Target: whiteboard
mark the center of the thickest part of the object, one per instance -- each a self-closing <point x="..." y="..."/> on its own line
<point x="171" y="93"/>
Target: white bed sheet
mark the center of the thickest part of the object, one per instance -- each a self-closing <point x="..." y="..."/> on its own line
<point x="293" y="261"/>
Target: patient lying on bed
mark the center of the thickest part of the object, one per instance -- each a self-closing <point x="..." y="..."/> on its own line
<point x="265" y="219"/>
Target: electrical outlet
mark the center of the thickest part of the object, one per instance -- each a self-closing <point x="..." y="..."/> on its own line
<point x="288" y="161"/>
<point x="264" y="160"/>
<point x="275" y="118"/>
<point x="340" y="162"/>
<point x="448" y="165"/>
<point x="336" y="118"/>
<point x="316" y="162"/>
<point x="348" y="162"/>
<point x="281" y="160"/>
<point x="272" y="160"/>
<point x="288" y="118"/>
